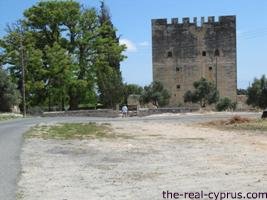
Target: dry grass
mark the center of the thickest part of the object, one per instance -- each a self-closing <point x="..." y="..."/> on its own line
<point x="238" y="120"/>
<point x="239" y="123"/>
<point x="234" y="120"/>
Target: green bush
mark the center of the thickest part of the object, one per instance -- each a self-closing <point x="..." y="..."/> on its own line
<point x="205" y="93"/>
<point x="225" y="104"/>
<point x="156" y="94"/>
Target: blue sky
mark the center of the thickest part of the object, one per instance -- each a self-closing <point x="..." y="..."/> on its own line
<point x="132" y="18"/>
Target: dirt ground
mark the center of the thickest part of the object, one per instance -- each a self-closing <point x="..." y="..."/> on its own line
<point x="154" y="157"/>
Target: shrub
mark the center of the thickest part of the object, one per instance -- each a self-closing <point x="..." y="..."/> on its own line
<point x="156" y="94"/>
<point x="225" y="104"/>
<point x="205" y="93"/>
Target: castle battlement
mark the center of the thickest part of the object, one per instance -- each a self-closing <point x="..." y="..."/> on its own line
<point x="194" y="21"/>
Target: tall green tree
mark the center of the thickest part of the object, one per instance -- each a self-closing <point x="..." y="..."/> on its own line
<point x="110" y="86"/>
<point x="83" y="88"/>
<point x="205" y="93"/>
<point x="9" y="95"/>
<point x="62" y="23"/>
<point x="257" y="93"/>
<point x="19" y="46"/>
<point x="60" y="74"/>
<point x="109" y="79"/>
<point x="156" y="94"/>
<point x="54" y="21"/>
<point x="108" y="33"/>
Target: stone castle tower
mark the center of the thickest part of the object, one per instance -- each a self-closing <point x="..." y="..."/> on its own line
<point x="183" y="52"/>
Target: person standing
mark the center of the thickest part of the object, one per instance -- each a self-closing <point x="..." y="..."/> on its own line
<point x="124" y="111"/>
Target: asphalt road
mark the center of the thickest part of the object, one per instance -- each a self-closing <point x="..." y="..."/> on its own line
<point x="11" y="140"/>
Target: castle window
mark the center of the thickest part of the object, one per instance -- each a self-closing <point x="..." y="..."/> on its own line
<point x="177" y="69"/>
<point x="178" y="86"/>
<point x="210" y="68"/>
<point x="169" y="54"/>
<point x="203" y="53"/>
<point x="216" y="53"/>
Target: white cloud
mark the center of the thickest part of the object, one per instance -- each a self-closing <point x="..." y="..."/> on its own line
<point x="131" y="47"/>
<point x="144" y="44"/>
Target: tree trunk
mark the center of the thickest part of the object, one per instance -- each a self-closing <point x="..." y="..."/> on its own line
<point x="73" y="102"/>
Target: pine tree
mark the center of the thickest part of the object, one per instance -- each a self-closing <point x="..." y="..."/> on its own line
<point x="109" y="79"/>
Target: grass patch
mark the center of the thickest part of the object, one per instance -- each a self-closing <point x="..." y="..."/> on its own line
<point x="71" y="131"/>
<point x="19" y="196"/>
<point x="2" y="118"/>
<point x="5" y="116"/>
<point x="239" y="123"/>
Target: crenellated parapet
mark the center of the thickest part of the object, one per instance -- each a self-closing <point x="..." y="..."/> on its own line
<point x="195" y="21"/>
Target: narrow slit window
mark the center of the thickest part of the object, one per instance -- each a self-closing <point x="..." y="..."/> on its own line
<point x="217" y="52"/>
<point x="178" y="86"/>
<point x="177" y="69"/>
<point x="203" y="53"/>
<point x="210" y="68"/>
<point x="169" y="54"/>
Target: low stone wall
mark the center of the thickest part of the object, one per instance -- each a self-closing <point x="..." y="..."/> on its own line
<point x="113" y="113"/>
<point x="145" y="112"/>
<point x="83" y="113"/>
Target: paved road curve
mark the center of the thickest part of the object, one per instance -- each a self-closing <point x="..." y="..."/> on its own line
<point x="11" y="139"/>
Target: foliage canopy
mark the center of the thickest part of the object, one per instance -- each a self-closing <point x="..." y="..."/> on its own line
<point x="205" y="93"/>
<point x="72" y="55"/>
<point x="156" y="94"/>
<point x="257" y="93"/>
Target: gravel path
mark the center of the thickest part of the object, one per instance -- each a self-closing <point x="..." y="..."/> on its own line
<point x="154" y="157"/>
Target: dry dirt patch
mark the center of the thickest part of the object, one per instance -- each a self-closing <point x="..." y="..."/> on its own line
<point x="152" y="158"/>
<point x="240" y="124"/>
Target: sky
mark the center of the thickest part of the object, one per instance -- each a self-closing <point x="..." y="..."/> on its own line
<point x="132" y="18"/>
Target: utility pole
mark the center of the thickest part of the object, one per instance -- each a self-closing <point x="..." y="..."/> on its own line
<point x="216" y="72"/>
<point x="22" y="60"/>
<point x="216" y="54"/>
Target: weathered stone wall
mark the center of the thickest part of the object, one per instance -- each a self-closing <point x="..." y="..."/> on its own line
<point x="146" y="112"/>
<point x="184" y="52"/>
<point x="84" y="113"/>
